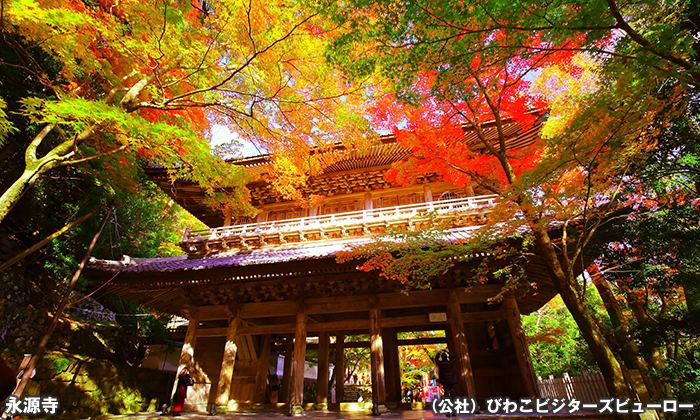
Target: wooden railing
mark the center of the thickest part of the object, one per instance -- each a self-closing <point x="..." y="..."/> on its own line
<point x="365" y="218"/>
<point x="586" y="388"/>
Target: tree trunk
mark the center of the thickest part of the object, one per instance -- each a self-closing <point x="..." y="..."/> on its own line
<point x="628" y="348"/>
<point x="562" y="279"/>
<point x="691" y="290"/>
<point x="609" y="366"/>
<point x="651" y="354"/>
<point x="564" y="282"/>
<point x="12" y="195"/>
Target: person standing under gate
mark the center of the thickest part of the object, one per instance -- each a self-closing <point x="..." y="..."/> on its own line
<point x="446" y="372"/>
<point x="184" y="380"/>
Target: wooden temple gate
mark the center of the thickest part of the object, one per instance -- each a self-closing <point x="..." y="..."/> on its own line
<point x="250" y="284"/>
<point x="462" y="328"/>
<point x="236" y="322"/>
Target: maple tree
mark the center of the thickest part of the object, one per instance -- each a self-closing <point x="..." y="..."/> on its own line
<point x="144" y="82"/>
<point x="472" y="65"/>
<point x="555" y="342"/>
<point x="649" y="260"/>
<point x="415" y="360"/>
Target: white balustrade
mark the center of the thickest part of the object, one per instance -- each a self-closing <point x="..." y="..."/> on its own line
<point x="360" y="218"/>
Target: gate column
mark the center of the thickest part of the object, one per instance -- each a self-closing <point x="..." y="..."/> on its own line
<point x="299" y="360"/>
<point x="522" y="351"/>
<point x="187" y="353"/>
<point x="339" y="368"/>
<point x="461" y="349"/>
<point x="227" y="364"/>
<point x="287" y="369"/>
<point x="263" y="372"/>
<point x="393" y="368"/>
<point x="377" y="361"/>
<point x="322" y="377"/>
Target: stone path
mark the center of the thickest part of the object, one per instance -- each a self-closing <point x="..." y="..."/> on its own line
<point x="328" y="415"/>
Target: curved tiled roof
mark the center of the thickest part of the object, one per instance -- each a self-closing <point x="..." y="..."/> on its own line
<point x="167" y="284"/>
<point x="267" y="255"/>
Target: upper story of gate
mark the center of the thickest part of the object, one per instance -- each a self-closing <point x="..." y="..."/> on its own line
<point x="358" y="200"/>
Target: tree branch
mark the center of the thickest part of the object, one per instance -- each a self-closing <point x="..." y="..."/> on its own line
<point x="46" y="240"/>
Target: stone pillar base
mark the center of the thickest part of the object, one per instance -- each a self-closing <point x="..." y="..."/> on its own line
<point x="418" y="405"/>
<point x="221" y="409"/>
<point x="297" y="410"/>
<point x="649" y="415"/>
<point x="258" y="406"/>
<point x="382" y="408"/>
<point x="321" y="406"/>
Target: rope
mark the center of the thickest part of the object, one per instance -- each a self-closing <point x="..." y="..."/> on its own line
<point x="112" y="278"/>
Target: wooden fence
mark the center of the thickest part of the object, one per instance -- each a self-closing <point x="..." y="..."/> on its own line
<point x="586" y="388"/>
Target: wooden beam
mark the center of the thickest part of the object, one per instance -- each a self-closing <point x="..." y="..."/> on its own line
<point x="336" y="305"/>
<point x="406" y="321"/>
<point x="421" y="341"/>
<point x="333" y="326"/>
<point x="522" y="351"/>
<point x="418" y="298"/>
<point x="267" y="309"/>
<point x="403" y="342"/>
<point x="484" y="316"/>
<point x="414" y="299"/>
<point x="461" y="350"/>
<point x="212" y="312"/>
<point x="267" y="329"/>
<point x="212" y="332"/>
<point x="322" y="378"/>
<point x="377" y="360"/>
<point x="478" y="294"/>
<point x="424" y="319"/>
<point x="436" y="297"/>
<point x="227" y="363"/>
<point x="351" y="324"/>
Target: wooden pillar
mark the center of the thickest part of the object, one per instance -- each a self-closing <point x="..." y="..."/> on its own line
<point x="460" y="349"/>
<point x="262" y="372"/>
<point x="522" y="351"/>
<point x="187" y="353"/>
<point x="287" y="370"/>
<point x="377" y="361"/>
<point x="393" y="368"/>
<point x="469" y="190"/>
<point x="322" y="378"/>
<point x="227" y="363"/>
<point x="299" y="360"/>
<point x="427" y="192"/>
<point x="368" y="201"/>
<point x="339" y="368"/>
